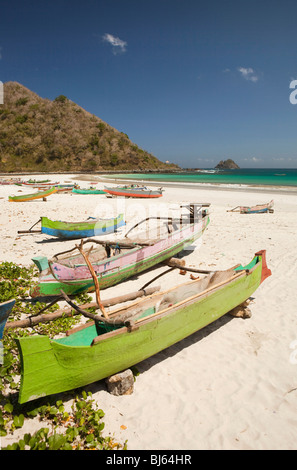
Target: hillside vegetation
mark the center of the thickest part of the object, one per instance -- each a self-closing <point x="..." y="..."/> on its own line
<point x="41" y="135"/>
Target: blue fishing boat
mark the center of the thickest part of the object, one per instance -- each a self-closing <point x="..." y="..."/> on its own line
<point x="89" y="228"/>
<point x="5" y="309"/>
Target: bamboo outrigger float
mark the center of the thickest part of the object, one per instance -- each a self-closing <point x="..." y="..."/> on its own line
<point x="131" y="334"/>
<point x="31" y="197"/>
<point x="117" y="260"/>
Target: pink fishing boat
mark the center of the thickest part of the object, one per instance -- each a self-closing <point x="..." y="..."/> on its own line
<point x="116" y="261"/>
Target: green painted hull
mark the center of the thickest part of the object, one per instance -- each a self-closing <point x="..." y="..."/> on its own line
<point x="31" y="197"/>
<point x="88" y="228"/>
<point x="83" y="357"/>
<point x="88" y="191"/>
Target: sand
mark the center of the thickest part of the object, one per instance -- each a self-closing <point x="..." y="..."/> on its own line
<point x="231" y="385"/>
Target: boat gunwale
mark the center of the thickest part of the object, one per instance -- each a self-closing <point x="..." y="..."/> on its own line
<point x="168" y="310"/>
<point x="116" y="257"/>
<point x="88" y="222"/>
<point x="137" y="192"/>
<point x="33" y="196"/>
<point x="48" y="284"/>
<point x="178" y="320"/>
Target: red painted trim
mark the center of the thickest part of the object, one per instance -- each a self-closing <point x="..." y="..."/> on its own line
<point x="266" y="272"/>
<point x="118" y="193"/>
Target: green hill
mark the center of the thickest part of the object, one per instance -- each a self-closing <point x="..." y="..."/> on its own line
<point x="41" y="135"/>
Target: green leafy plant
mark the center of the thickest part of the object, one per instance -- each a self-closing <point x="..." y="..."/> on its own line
<point x="61" y="99"/>
<point x="79" y="429"/>
<point x="21" y="101"/>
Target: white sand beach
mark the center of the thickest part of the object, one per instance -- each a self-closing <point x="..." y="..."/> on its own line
<point x="232" y="385"/>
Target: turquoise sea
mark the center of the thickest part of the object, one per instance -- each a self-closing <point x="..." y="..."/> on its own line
<point x="258" y="177"/>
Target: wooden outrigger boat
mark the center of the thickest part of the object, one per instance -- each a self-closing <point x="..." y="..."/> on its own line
<point x="5" y="309"/>
<point x="73" y="230"/>
<point x="130" y="257"/>
<point x="64" y="188"/>
<point x="258" y="209"/>
<point x="9" y="181"/>
<point x="44" y="185"/>
<point x="36" y="181"/>
<point x="88" y="191"/>
<point x="60" y="187"/>
<point x="134" y="191"/>
<point x="131" y="334"/>
<point x="31" y="197"/>
<point x="88" y="228"/>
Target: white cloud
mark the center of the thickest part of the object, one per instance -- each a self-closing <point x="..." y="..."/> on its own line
<point x="282" y="159"/>
<point x="118" y="45"/>
<point x="248" y="74"/>
<point x="253" y="159"/>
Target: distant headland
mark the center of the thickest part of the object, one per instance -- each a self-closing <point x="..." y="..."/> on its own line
<point x="227" y="165"/>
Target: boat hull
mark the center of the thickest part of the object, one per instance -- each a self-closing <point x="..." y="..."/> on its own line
<point x="5" y="309"/>
<point x="54" y="366"/>
<point x="88" y="191"/>
<point x="31" y="197"/>
<point x="74" y="230"/>
<point x="259" y="209"/>
<point x="114" y="270"/>
<point x="123" y="192"/>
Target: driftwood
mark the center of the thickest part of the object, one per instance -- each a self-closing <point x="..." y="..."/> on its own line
<point x="45" y="318"/>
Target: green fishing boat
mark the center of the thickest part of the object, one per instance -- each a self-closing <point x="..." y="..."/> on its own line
<point x="88" y="191"/>
<point x="87" y="228"/>
<point x="37" y="181"/>
<point x="131" y="334"/>
<point x="31" y="197"/>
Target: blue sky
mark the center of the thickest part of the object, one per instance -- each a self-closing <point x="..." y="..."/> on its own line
<point x="191" y="82"/>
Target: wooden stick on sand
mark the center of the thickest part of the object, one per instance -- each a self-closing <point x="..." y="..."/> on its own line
<point x="95" y="279"/>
